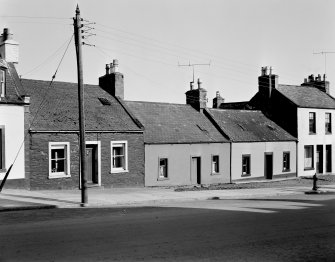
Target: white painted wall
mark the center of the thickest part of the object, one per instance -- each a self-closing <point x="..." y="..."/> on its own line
<point x="179" y="163"/>
<point x="12" y="117"/>
<point x="320" y="138"/>
<point x="257" y="151"/>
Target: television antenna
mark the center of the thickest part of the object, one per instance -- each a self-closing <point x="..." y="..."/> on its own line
<point x="325" y="54"/>
<point x="193" y="65"/>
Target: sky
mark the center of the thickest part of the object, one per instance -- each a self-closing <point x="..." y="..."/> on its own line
<point x="150" y="38"/>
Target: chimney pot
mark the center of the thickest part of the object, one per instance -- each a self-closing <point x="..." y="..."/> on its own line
<point x="107" y="69"/>
<point x="199" y="83"/>
<point x="191" y="85"/>
<point x="217" y="94"/>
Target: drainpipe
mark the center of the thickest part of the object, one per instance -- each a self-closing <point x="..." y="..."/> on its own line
<point x="297" y="160"/>
<point x="231" y="152"/>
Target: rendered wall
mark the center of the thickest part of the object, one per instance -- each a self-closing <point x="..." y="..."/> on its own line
<point x="257" y="151"/>
<point x="319" y="138"/>
<point x="179" y="163"/>
<point x="12" y="118"/>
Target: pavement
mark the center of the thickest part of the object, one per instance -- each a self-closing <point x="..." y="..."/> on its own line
<point x="21" y="199"/>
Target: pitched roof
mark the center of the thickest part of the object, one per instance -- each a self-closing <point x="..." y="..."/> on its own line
<point x="249" y="126"/>
<point x="59" y="110"/>
<point x="14" y="89"/>
<point x="174" y="123"/>
<point x="306" y="96"/>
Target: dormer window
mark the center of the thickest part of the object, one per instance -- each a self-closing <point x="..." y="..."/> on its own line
<point x="2" y="83"/>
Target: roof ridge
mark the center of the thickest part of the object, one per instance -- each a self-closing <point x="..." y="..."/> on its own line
<point x="151" y="102"/>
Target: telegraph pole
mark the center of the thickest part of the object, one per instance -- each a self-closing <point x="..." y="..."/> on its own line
<point x="78" y="42"/>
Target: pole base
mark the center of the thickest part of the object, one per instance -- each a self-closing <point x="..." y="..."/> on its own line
<point x="84" y="205"/>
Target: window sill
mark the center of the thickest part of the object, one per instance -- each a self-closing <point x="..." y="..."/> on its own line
<point x="60" y="175"/>
<point x="115" y="171"/>
<point x="328" y="133"/>
<point x="312" y="133"/>
<point x="3" y="170"/>
<point x="162" y="178"/>
<point x="215" y="174"/>
<point x="309" y="168"/>
<point x="245" y="175"/>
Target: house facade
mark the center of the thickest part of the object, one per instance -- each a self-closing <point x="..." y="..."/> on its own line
<point x="306" y="112"/>
<point x="13" y="109"/>
<point x="182" y="146"/>
<point x="114" y="140"/>
<point x="260" y="149"/>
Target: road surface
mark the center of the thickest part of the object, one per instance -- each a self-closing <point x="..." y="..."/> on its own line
<point x="292" y="228"/>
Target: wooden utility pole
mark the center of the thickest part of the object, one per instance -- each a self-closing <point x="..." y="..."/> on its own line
<point x="82" y="145"/>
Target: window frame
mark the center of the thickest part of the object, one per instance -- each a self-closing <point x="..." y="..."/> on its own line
<point x="248" y="173"/>
<point x="159" y="168"/>
<point x="125" y="146"/>
<point x="312" y="126"/>
<point x="214" y="171"/>
<point x="2" y="82"/>
<point x="58" y="145"/>
<point x="2" y="149"/>
<point x="328" y="125"/>
<point x="287" y="163"/>
<point x="312" y="162"/>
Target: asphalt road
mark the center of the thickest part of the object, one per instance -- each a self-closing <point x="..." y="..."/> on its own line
<point x="292" y="228"/>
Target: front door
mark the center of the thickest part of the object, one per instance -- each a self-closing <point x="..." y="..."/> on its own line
<point x="328" y="158"/>
<point x="319" y="159"/>
<point x="268" y="165"/>
<point x="91" y="165"/>
<point x="195" y="170"/>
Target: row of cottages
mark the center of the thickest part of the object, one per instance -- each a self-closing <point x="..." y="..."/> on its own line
<point x="192" y="144"/>
<point x="130" y="143"/>
<point x="305" y="111"/>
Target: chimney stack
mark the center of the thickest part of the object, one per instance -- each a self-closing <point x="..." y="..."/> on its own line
<point x="317" y="82"/>
<point x="267" y="82"/>
<point x="9" y="49"/>
<point x="197" y="98"/>
<point x="113" y="81"/>
<point x="217" y="100"/>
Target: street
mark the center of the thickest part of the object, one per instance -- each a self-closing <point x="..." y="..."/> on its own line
<point x="285" y="228"/>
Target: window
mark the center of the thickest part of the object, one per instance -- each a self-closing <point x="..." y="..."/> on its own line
<point x="2" y="83"/>
<point x="328" y="123"/>
<point x="309" y="157"/>
<point x="215" y="164"/>
<point x="312" y="126"/>
<point x="119" y="156"/>
<point x="59" y="159"/>
<point x="2" y="148"/>
<point x="163" y="168"/>
<point x="245" y="165"/>
<point x="286" y="161"/>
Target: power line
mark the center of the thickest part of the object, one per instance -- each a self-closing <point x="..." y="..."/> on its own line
<point x="35" y="17"/>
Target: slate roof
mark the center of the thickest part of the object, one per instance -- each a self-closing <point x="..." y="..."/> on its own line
<point x="14" y="89"/>
<point x="249" y="126"/>
<point x="306" y="96"/>
<point x="59" y="110"/>
<point x="174" y="123"/>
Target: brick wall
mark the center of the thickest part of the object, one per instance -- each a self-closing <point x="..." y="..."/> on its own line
<point x="39" y="160"/>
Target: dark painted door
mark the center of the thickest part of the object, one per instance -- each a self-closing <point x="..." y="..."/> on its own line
<point x="268" y="166"/>
<point x="195" y="170"/>
<point x="319" y="159"/>
<point x="91" y="173"/>
<point x="328" y="158"/>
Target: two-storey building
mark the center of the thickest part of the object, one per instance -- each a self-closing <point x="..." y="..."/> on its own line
<point x="306" y="111"/>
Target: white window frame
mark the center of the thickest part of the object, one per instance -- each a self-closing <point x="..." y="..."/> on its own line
<point x="59" y="145"/>
<point x="2" y="82"/>
<point x="159" y="169"/>
<point x="309" y="164"/>
<point x="287" y="162"/>
<point x="248" y="165"/>
<point x="120" y="169"/>
<point x="328" y="125"/>
<point x="218" y="164"/>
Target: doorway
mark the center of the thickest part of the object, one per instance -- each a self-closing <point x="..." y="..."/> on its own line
<point x="328" y="158"/>
<point x="268" y="165"/>
<point x="319" y="159"/>
<point x="92" y="164"/>
<point x="196" y="170"/>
